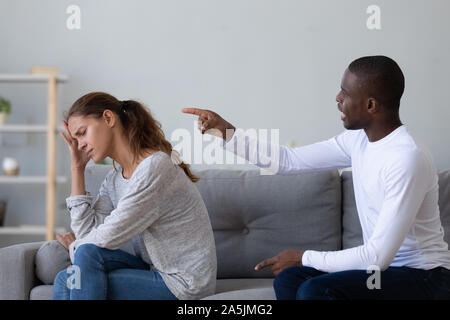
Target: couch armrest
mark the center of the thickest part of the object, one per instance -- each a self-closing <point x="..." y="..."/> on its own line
<point x="17" y="276"/>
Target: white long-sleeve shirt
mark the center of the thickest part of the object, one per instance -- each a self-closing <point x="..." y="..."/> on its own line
<point x="396" y="193"/>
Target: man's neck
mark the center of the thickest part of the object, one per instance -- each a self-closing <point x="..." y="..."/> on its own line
<point x="381" y="130"/>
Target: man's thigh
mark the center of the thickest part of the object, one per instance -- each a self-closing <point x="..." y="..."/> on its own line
<point x="393" y="283"/>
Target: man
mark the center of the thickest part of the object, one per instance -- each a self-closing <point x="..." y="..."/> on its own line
<point x="396" y="192"/>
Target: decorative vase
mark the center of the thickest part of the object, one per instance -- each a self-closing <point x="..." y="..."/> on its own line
<point x="10" y="167"/>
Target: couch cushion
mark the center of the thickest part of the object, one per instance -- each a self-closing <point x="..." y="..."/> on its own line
<point x="351" y="227"/>
<point x="42" y="292"/>
<point x="254" y="217"/>
<point x="444" y="203"/>
<point x="243" y="289"/>
<point x="51" y="258"/>
<point x="227" y="289"/>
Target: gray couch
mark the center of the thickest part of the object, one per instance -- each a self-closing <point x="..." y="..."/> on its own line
<point x="253" y="216"/>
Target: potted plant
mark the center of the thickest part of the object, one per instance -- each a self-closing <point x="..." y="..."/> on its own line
<point x="5" y="109"/>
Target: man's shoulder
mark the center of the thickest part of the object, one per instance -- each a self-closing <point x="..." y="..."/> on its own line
<point x="406" y="149"/>
<point x="409" y="159"/>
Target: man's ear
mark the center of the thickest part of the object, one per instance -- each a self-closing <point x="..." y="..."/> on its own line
<point x="109" y="117"/>
<point x="372" y="105"/>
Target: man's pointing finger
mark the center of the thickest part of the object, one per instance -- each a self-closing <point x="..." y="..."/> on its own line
<point x="195" y="111"/>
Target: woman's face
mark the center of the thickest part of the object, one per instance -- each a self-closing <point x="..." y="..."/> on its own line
<point x="93" y="136"/>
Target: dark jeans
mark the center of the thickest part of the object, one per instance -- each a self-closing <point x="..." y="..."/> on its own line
<point x="109" y="274"/>
<point x="305" y="283"/>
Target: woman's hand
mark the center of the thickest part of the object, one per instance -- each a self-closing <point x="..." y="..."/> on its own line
<point x="79" y="159"/>
<point x="66" y="239"/>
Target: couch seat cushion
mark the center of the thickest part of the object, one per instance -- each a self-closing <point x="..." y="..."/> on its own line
<point x="42" y="292"/>
<point x="226" y="289"/>
<point x="243" y="289"/>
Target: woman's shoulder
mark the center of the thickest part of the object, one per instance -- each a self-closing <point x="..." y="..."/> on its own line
<point x="158" y="159"/>
<point x="156" y="164"/>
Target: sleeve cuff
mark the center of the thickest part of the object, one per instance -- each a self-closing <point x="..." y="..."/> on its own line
<point x="74" y="201"/>
<point x="72" y="248"/>
<point x="306" y="259"/>
<point x="230" y="144"/>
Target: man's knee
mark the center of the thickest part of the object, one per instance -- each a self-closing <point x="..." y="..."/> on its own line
<point x="315" y="289"/>
<point x="285" y="278"/>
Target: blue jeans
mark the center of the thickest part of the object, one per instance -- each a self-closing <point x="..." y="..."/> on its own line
<point x="100" y="274"/>
<point x="305" y="283"/>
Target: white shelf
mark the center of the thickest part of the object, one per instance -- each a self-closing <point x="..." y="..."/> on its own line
<point x="26" y="128"/>
<point x="25" y="77"/>
<point x="30" y="179"/>
<point x="44" y="75"/>
<point x="29" y="229"/>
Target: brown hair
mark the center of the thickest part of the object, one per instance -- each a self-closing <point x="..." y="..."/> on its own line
<point x="142" y="130"/>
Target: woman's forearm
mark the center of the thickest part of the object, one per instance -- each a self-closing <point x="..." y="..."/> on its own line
<point x="78" y="187"/>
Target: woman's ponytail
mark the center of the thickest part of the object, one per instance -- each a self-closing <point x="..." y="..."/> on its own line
<point x="144" y="131"/>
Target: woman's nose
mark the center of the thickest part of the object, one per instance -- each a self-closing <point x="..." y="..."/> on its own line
<point x="81" y="145"/>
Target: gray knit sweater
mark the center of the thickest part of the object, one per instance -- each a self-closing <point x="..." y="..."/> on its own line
<point x="160" y="209"/>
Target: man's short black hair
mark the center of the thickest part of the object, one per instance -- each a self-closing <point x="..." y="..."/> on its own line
<point x="382" y="79"/>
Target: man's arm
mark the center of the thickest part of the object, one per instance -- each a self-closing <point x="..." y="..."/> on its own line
<point x="330" y="154"/>
<point x="334" y="153"/>
<point x="406" y="184"/>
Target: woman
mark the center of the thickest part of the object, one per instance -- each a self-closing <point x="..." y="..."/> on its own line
<point x="148" y="207"/>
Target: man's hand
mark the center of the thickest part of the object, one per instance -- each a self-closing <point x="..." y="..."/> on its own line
<point x="211" y="123"/>
<point x="285" y="259"/>
<point x="66" y="239"/>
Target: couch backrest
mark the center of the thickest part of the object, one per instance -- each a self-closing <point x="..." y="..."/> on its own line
<point x="94" y="176"/>
<point x="444" y="203"/>
<point x="351" y="228"/>
<point x="254" y="216"/>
